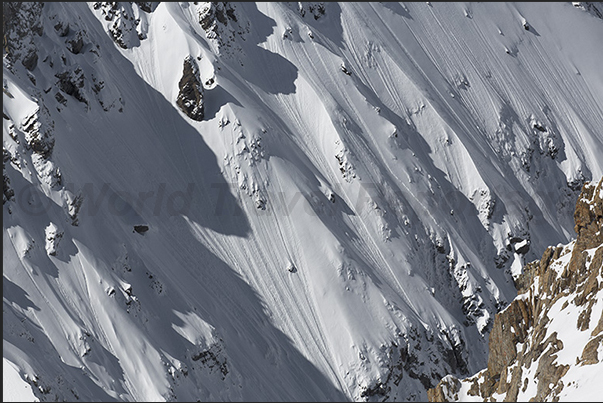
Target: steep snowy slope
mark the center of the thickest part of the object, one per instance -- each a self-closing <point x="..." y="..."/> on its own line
<point x="338" y="196"/>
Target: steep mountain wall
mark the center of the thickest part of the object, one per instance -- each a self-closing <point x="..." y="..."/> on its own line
<point x="282" y="201"/>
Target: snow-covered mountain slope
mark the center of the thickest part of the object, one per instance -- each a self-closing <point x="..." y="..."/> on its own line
<point x="337" y="197"/>
<point x="547" y="344"/>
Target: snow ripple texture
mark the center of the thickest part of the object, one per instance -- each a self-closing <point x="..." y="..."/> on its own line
<point x="343" y="223"/>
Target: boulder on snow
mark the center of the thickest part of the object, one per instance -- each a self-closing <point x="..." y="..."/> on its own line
<point x="345" y="69"/>
<point x="141" y="229"/>
<point x="190" y="96"/>
<point x="525" y="24"/>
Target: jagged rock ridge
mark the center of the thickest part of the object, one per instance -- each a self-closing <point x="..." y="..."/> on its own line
<point x="542" y="343"/>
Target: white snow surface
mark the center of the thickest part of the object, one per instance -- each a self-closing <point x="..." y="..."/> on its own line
<point x="14" y="388"/>
<point x="392" y="190"/>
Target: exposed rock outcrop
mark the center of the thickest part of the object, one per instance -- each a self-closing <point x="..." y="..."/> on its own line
<point x="8" y="192"/>
<point x="223" y="25"/>
<point x="20" y="22"/>
<point x="38" y="129"/>
<point x="126" y="26"/>
<point x="411" y="357"/>
<point x="38" y="133"/>
<point x="552" y="317"/>
<point x="190" y="96"/>
<point x="212" y="358"/>
<point x="71" y="82"/>
<point x="147" y="6"/>
<point x="215" y="13"/>
<point x="316" y="9"/>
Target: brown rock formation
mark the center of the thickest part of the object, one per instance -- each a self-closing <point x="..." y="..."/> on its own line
<point x="190" y="97"/>
<point x="521" y="337"/>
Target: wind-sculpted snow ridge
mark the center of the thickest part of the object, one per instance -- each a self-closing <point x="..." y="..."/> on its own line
<point x="282" y="201"/>
<point x="546" y="345"/>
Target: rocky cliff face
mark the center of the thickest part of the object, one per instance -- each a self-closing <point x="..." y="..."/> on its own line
<point x="546" y="345"/>
<point x="126" y="22"/>
<point x="286" y="201"/>
<point x="20" y="22"/>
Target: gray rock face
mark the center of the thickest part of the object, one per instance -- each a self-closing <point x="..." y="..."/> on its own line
<point x="20" y="21"/>
<point x="125" y="29"/>
<point x="72" y="83"/>
<point x="147" y="6"/>
<point x="222" y="24"/>
<point x="190" y="96"/>
<point x="38" y="134"/>
<point x="315" y="9"/>
<point x="217" y="12"/>
<point x="76" y="44"/>
<point x="8" y="192"/>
